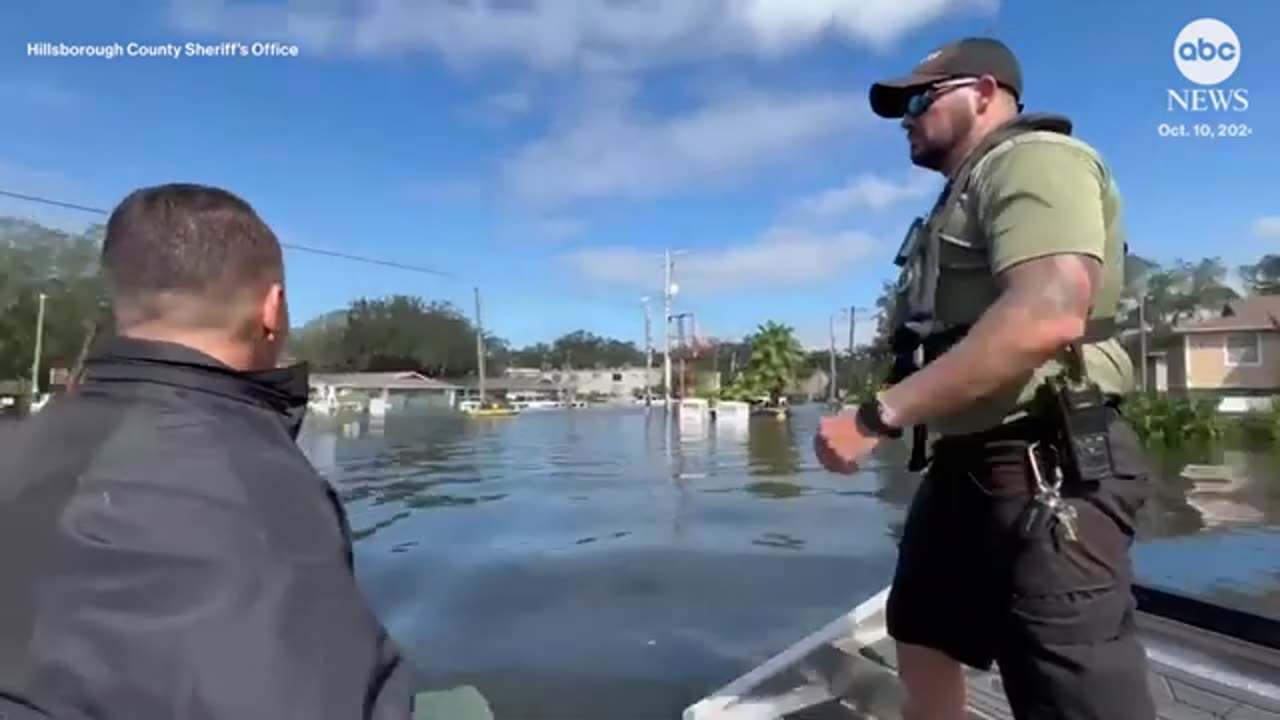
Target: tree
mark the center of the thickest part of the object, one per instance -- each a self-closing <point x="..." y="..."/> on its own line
<point x="319" y="342"/>
<point x="399" y="332"/>
<point x="585" y="350"/>
<point x="402" y="332"/>
<point x="35" y="259"/>
<point x="859" y="375"/>
<point x="1205" y="286"/>
<point x="776" y="359"/>
<point x="1262" y="277"/>
<point x="885" y="306"/>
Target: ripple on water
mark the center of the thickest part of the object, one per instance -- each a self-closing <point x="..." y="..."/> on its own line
<point x="571" y="563"/>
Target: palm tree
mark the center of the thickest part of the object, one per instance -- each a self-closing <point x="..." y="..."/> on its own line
<point x="1206" y="287"/>
<point x="1263" y="277"/>
<point x="1139" y="273"/>
<point x="776" y="357"/>
<point x="1180" y="292"/>
<point x="884" y="305"/>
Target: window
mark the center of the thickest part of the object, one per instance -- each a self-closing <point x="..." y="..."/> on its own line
<point x="617" y="377"/>
<point x="1242" y="349"/>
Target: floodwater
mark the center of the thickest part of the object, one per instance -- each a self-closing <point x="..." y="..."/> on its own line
<point x="601" y="563"/>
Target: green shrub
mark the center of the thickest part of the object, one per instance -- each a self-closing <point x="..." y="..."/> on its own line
<point x="1173" y="421"/>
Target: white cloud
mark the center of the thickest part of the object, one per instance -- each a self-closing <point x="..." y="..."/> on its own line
<point x="781" y="257"/>
<point x="868" y="191"/>
<point x="612" y="152"/>
<point x="562" y="33"/>
<point x="1267" y="228"/>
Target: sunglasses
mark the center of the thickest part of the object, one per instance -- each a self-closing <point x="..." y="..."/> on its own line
<point x="920" y="103"/>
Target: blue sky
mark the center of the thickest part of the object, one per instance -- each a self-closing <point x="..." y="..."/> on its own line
<point x="549" y="151"/>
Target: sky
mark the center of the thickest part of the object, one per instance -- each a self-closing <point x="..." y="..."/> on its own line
<point x="549" y="152"/>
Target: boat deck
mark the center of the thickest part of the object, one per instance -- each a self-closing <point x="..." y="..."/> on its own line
<point x="1238" y="683"/>
<point x="1200" y="669"/>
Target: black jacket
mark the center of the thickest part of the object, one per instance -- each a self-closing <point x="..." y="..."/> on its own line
<point x="168" y="553"/>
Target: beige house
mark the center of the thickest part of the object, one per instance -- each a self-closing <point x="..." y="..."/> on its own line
<point x="1235" y="356"/>
<point x="620" y="383"/>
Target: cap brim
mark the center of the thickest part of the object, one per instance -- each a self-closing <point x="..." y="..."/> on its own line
<point x="889" y="97"/>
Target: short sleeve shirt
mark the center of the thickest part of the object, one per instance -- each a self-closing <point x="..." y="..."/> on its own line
<point x="1047" y="194"/>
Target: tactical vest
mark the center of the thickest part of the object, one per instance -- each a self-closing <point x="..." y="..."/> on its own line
<point x="917" y="321"/>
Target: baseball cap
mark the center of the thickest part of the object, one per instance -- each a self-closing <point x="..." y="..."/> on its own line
<point x="968" y="57"/>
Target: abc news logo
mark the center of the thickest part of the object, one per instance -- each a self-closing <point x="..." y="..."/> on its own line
<point x="1207" y="52"/>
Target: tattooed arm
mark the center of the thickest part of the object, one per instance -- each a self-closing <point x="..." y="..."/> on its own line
<point x="1043" y="306"/>
<point x="1041" y="209"/>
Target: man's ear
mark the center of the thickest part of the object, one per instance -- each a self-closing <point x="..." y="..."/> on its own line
<point x="273" y="314"/>
<point x="986" y="90"/>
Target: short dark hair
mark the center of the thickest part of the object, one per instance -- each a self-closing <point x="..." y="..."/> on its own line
<point x="182" y="241"/>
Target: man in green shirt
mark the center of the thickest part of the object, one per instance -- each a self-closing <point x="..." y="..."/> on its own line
<point x="1012" y="280"/>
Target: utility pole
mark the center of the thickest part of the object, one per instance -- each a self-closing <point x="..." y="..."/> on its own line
<point x="683" y="351"/>
<point x="35" y="355"/>
<point x="853" y="309"/>
<point x="648" y="354"/>
<point x="683" y="344"/>
<point x="831" y="383"/>
<point x="479" y="346"/>
<point x="669" y="291"/>
<point x="666" y="314"/>
<point x="1142" y="336"/>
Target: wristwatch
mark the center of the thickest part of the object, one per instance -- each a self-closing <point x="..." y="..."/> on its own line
<point x="870" y="415"/>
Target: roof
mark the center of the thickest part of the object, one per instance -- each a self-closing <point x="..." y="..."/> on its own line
<point x="1260" y="312"/>
<point x="381" y="380"/>
<point x="515" y="383"/>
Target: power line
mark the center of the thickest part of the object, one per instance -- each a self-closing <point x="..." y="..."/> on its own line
<point x="290" y="246"/>
<point x="41" y="200"/>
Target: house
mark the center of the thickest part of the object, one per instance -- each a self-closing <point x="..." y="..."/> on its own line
<point x="380" y="392"/>
<point x="1235" y="356"/>
<point x="617" y="383"/>
<point x="517" y="388"/>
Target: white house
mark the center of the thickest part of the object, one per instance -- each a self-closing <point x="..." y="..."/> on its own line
<point x="379" y="392"/>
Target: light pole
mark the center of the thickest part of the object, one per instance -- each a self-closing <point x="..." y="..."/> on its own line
<point x="669" y="290"/>
<point x="831" y="357"/>
<point x="35" y="355"/>
<point x="648" y="353"/>
<point x="831" y="323"/>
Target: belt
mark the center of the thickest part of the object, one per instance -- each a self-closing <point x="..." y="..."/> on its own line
<point x="1027" y="429"/>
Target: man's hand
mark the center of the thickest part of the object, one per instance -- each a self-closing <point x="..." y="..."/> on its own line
<point x="842" y="444"/>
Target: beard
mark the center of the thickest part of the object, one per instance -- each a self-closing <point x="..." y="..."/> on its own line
<point x="933" y="153"/>
<point x="929" y="156"/>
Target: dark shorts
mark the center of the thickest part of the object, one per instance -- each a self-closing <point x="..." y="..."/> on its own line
<point x="1056" y="617"/>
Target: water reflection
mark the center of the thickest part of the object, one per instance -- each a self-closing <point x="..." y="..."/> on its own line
<point x="1209" y="488"/>
<point x="772" y="447"/>
<point x="571" y="563"/>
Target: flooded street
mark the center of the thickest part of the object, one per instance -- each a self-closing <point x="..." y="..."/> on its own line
<point x="600" y="563"/>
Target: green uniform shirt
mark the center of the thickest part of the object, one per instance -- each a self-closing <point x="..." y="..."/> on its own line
<point x="1046" y="194"/>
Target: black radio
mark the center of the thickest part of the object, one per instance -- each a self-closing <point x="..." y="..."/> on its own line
<point x="1079" y="410"/>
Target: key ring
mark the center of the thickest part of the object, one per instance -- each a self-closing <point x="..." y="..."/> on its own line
<point x="1042" y="487"/>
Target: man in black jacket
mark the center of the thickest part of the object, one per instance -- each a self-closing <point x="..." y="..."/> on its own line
<point x="166" y="551"/>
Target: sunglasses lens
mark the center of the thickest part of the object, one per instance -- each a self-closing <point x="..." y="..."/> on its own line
<point x="918" y="104"/>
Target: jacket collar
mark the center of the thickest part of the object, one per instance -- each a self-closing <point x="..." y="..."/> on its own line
<point x="123" y="359"/>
